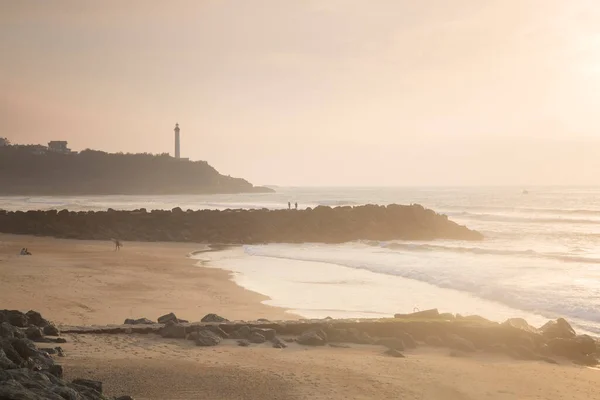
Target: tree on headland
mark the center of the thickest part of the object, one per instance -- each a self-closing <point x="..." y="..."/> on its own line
<point x="4" y="141"/>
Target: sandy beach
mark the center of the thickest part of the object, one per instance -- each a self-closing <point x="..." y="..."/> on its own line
<point x="86" y="282"/>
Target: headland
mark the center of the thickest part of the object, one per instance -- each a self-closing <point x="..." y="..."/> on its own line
<point x="40" y="171"/>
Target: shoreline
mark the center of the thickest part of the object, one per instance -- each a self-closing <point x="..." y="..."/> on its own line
<point x="87" y="282"/>
<point x="84" y="283"/>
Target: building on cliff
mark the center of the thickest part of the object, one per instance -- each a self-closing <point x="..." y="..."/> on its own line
<point x="59" y="146"/>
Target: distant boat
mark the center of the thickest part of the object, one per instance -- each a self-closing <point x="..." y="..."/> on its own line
<point x="525" y="192"/>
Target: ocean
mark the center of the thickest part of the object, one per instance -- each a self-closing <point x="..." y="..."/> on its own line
<point x="540" y="258"/>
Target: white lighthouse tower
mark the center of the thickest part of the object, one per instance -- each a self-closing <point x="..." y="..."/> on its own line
<point x="177" y="142"/>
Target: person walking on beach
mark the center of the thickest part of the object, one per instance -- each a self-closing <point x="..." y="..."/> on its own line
<point x="296" y="205"/>
<point x="118" y="244"/>
<point x="289" y="205"/>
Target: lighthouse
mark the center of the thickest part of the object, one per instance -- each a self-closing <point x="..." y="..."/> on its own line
<point x="177" y="142"/>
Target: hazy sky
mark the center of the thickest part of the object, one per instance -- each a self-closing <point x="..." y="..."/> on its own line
<point x="315" y="92"/>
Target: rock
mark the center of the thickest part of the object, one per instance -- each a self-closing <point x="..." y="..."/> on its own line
<point x="9" y="331"/>
<point x="521" y="324"/>
<point x="167" y="317"/>
<point x="48" y="350"/>
<point x="391" y="343"/>
<point x="393" y="353"/>
<point x="557" y="329"/>
<point x="339" y="346"/>
<point x="173" y="330"/>
<point x="313" y="338"/>
<point x="217" y="330"/>
<point x="574" y="348"/>
<point x="33" y="333"/>
<point x="426" y="314"/>
<point x="35" y="318"/>
<point x="51" y="330"/>
<point x="242" y="332"/>
<point x="289" y="340"/>
<point x="5" y="362"/>
<point x="256" y="338"/>
<point x="207" y="338"/>
<point x="268" y="334"/>
<point x="434" y="341"/>
<point x="140" y="321"/>
<point x="278" y="343"/>
<point x="56" y="370"/>
<point x="213" y="318"/>
<point x="96" y="385"/>
<point x="59" y="351"/>
<point x="16" y="318"/>
<point x="458" y="343"/>
<point x="408" y="340"/>
<point x="447" y="316"/>
<point x="243" y="343"/>
<point x="262" y="320"/>
<point x="193" y="335"/>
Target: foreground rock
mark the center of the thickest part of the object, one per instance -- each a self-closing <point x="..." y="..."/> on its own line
<point x="322" y="224"/>
<point x="30" y="373"/>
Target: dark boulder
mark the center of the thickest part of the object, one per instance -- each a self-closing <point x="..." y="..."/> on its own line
<point x="256" y="338"/>
<point x="167" y="317"/>
<point x="16" y="318"/>
<point x="5" y="362"/>
<point x="557" y="329"/>
<point x="520" y="323"/>
<point x="139" y="321"/>
<point x="268" y="334"/>
<point x="243" y="343"/>
<point x="408" y="340"/>
<point x="458" y="343"/>
<point x="216" y="329"/>
<point x="34" y="332"/>
<point x="96" y="385"/>
<point x="242" y="332"/>
<point x="391" y="343"/>
<point x="393" y="353"/>
<point x="173" y="330"/>
<point x="207" y="338"/>
<point x="9" y="331"/>
<point x="313" y="338"/>
<point x="434" y="341"/>
<point x="213" y="318"/>
<point x="51" y="330"/>
<point x="35" y="318"/>
<point x="278" y="343"/>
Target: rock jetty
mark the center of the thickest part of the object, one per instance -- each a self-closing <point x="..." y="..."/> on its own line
<point x="461" y="335"/>
<point x="321" y="224"/>
<point x="31" y="373"/>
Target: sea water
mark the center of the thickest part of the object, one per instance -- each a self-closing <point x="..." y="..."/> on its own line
<point x="540" y="258"/>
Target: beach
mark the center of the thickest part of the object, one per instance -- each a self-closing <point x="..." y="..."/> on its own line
<point x="87" y="283"/>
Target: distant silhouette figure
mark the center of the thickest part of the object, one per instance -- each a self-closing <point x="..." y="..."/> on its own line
<point x="118" y="244"/>
<point x="289" y="205"/>
<point x="296" y="205"/>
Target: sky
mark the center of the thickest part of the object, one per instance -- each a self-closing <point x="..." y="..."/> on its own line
<point x="315" y="92"/>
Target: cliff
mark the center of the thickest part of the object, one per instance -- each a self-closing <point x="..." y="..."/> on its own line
<point x="26" y="171"/>
<point x="322" y="224"/>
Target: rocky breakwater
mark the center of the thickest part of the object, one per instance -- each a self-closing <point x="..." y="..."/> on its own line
<point x="28" y="372"/>
<point x="554" y="342"/>
<point x="321" y="224"/>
